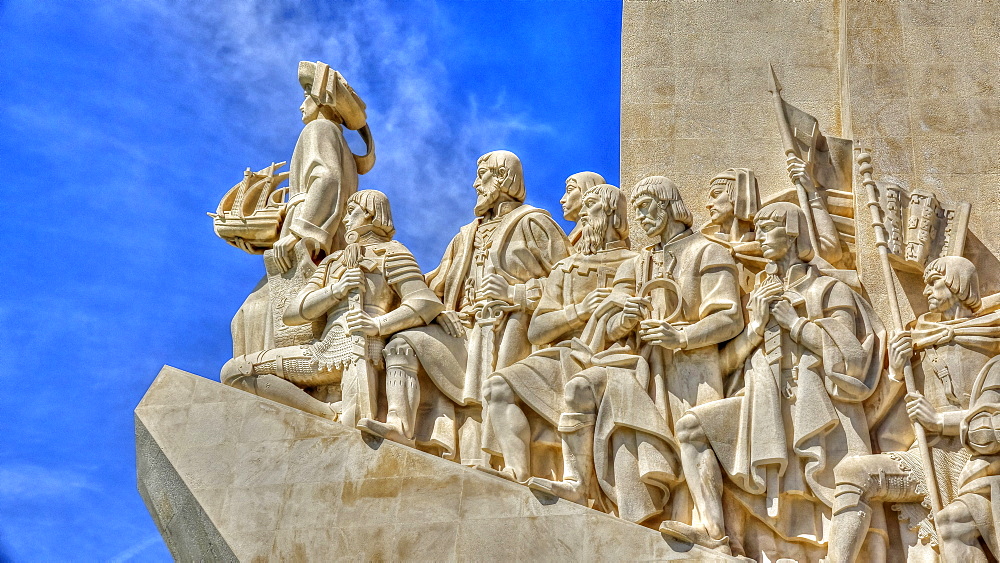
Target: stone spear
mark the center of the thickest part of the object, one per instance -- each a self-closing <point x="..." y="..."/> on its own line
<point x="864" y="159"/>
<point x="789" y="143"/>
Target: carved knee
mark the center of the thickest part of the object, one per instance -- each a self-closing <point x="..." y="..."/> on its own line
<point x="497" y="390"/>
<point x="688" y="430"/>
<point x="954" y="522"/>
<point x="235" y="370"/>
<point x="856" y="482"/>
<point x="399" y="354"/>
<point x="579" y="396"/>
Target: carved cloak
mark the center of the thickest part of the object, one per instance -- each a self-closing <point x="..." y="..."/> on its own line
<point x="980" y="479"/>
<point x="323" y="177"/>
<point x="805" y="422"/>
<point x="523" y="249"/>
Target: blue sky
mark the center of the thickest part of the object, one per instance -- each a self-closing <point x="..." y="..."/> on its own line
<point x="122" y="123"/>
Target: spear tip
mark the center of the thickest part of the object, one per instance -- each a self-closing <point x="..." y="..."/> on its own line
<point x="774" y="87"/>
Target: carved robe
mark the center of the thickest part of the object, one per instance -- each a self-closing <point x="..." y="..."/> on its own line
<point x="538" y="380"/>
<point x="522" y="245"/>
<point x="980" y="478"/>
<point x="709" y="313"/>
<point x="949" y="356"/>
<point x="801" y="411"/>
<point x="642" y="390"/>
<point x="322" y="177"/>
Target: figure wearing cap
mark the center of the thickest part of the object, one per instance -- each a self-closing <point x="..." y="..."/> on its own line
<point x="322" y="176"/>
<point x="809" y="357"/>
<point x="734" y="198"/>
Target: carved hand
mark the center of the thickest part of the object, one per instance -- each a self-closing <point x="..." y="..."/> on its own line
<point x="662" y="333"/>
<point x="361" y="322"/>
<point x="784" y="314"/>
<point x="634" y="310"/>
<point x="900" y="351"/>
<point x="496" y="287"/>
<point x="451" y="323"/>
<point x="760" y="302"/>
<point x="797" y="173"/>
<point x="920" y="410"/>
<point x="592" y="301"/>
<point x="352" y="278"/>
<point x="243" y="245"/>
<point x="283" y="251"/>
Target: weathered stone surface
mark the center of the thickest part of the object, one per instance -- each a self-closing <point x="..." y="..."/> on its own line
<point x="229" y="475"/>
<point x="914" y="81"/>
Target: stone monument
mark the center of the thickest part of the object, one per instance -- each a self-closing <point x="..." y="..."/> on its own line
<point x="810" y="374"/>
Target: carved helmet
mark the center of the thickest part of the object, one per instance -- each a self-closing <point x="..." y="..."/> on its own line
<point x="329" y="88"/>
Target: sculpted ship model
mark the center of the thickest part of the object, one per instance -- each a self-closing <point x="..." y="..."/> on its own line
<point x="729" y="386"/>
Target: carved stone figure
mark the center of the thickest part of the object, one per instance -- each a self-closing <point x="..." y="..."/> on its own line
<point x="952" y="342"/>
<point x="809" y="356"/>
<point x="524" y="401"/>
<point x="973" y="514"/>
<point x="685" y="288"/>
<point x="490" y="281"/>
<point x="323" y="174"/>
<point x="571" y="201"/>
<point x="372" y="288"/>
<point x="734" y="198"/>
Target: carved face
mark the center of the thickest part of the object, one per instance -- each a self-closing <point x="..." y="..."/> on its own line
<point x="571" y="200"/>
<point x="309" y="109"/>
<point x="356" y="219"/>
<point x="939" y="296"/>
<point x="489" y="178"/>
<point x="775" y="242"/>
<point x="594" y="222"/>
<point x="651" y="215"/>
<point x="721" y="210"/>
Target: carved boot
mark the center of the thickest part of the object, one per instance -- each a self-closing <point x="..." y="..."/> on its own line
<point x="402" y="393"/>
<point x="695" y="535"/>
<point x="579" y="483"/>
<point x="246" y="374"/>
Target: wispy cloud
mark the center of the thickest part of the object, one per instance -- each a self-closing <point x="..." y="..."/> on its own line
<point x="27" y="481"/>
<point x="427" y="136"/>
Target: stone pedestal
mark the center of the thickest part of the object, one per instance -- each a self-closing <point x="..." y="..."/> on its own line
<point x="230" y="476"/>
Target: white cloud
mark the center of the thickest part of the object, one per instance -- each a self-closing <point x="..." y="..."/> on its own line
<point x="26" y="481"/>
<point x="427" y="135"/>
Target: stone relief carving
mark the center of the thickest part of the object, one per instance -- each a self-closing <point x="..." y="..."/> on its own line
<point x="730" y="386"/>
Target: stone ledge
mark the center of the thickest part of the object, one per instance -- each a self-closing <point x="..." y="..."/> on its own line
<point x="230" y="476"/>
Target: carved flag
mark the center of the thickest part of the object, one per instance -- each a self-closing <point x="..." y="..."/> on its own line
<point x="920" y="228"/>
<point x="829" y="161"/>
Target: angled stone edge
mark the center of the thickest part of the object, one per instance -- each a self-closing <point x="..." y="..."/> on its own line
<point x="228" y="475"/>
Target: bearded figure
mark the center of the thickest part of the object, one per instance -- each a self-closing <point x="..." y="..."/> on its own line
<point x="490" y="280"/>
<point x="572" y="201"/>
<point x="654" y="346"/>
<point x="524" y="401"/>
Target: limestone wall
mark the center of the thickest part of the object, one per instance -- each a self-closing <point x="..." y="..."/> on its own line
<point x="918" y="82"/>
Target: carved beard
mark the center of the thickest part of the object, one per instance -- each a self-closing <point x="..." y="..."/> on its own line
<point x="592" y="233"/>
<point x="486" y="201"/>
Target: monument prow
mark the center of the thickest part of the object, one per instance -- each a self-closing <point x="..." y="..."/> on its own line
<point x="228" y="475"/>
